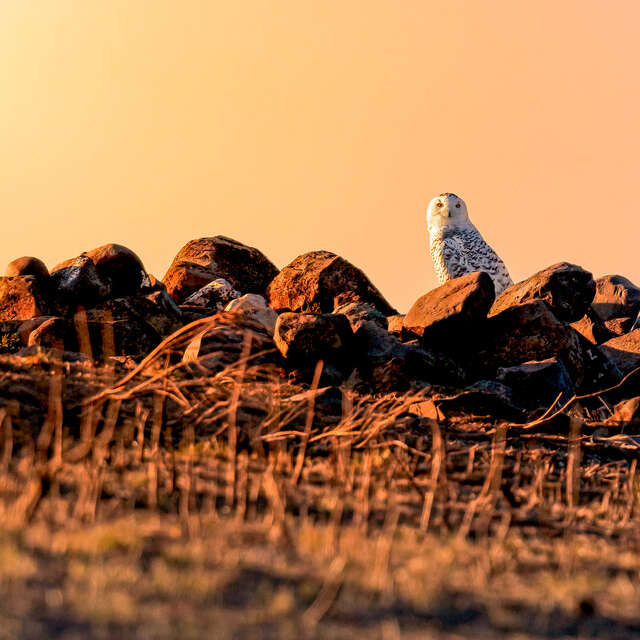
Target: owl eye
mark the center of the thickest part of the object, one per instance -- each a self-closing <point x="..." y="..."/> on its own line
<point x="458" y="206"/>
<point x="439" y="204"/>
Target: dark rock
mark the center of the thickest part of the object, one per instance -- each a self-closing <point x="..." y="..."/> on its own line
<point x="320" y="281"/>
<point x="201" y="261"/>
<point x="21" y="298"/>
<point x="592" y="328"/>
<point x="486" y="399"/>
<point x="104" y="338"/>
<point x="163" y="320"/>
<point x="358" y="314"/>
<point x="327" y="405"/>
<point x="76" y="283"/>
<point x="567" y="288"/>
<point x="224" y="340"/>
<point x="616" y="297"/>
<point x="216" y="295"/>
<point x="119" y="268"/>
<point x="54" y="333"/>
<point x="50" y="354"/>
<point x="525" y="332"/>
<point x="305" y="338"/>
<point x="538" y="384"/>
<point x="451" y="310"/>
<point x="599" y="372"/>
<point x="27" y="266"/>
<point x="624" y="351"/>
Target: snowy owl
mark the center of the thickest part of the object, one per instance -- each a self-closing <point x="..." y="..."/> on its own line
<point x="457" y="248"/>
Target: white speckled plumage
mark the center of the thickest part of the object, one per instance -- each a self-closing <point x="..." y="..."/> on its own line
<point x="457" y="247"/>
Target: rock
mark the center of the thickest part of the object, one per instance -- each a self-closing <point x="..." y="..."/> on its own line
<point x="54" y="333"/>
<point x="201" y="261"/>
<point x="452" y="310"/>
<point x="305" y="338"/>
<point x="119" y="268"/>
<point x="320" y="281"/>
<point x="25" y="328"/>
<point x="327" y="405"/>
<point x="27" y="266"/>
<point x="592" y="328"/>
<point x="486" y="399"/>
<point x="538" y="384"/>
<point x="163" y="321"/>
<point x="626" y="415"/>
<point x="40" y="354"/>
<point x="616" y="297"/>
<point x="396" y="324"/>
<point x="618" y="326"/>
<point x="129" y="337"/>
<point x="524" y="332"/>
<point x="255" y="307"/>
<point x="567" y="288"/>
<point x="599" y="372"/>
<point x="624" y="351"/>
<point x="223" y="342"/>
<point x="215" y="295"/>
<point x="21" y="298"/>
<point x="359" y="314"/>
<point x="76" y="283"/>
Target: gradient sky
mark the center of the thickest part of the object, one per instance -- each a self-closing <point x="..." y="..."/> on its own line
<point x="296" y="125"/>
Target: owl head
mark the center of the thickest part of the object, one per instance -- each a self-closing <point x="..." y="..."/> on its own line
<point x="446" y="210"/>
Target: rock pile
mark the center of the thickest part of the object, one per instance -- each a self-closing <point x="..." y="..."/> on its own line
<point x="546" y="338"/>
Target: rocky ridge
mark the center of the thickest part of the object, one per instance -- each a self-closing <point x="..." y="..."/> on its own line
<point x="553" y="335"/>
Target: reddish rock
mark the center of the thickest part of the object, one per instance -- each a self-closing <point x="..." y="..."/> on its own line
<point x="320" y="281"/>
<point x="618" y="326"/>
<point x="566" y="288"/>
<point x="201" y="261"/>
<point x="525" y="332"/>
<point x="624" y="351"/>
<point x="27" y="266"/>
<point x="119" y="268"/>
<point x="447" y="312"/>
<point x="21" y="298"/>
<point x="616" y="297"/>
<point x="396" y="324"/>
<point x="255" y="307"/>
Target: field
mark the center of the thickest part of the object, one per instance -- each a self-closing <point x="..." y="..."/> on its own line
<point x="219" y="500"/>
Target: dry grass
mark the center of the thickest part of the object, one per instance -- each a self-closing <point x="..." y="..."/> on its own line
<point x="177" y="498"/>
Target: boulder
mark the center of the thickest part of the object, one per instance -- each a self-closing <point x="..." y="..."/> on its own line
<point x="163" y="321"/>
<point x="216" y="295"/>
<point x="616" y="297"/>
<point x="54" y="333"/>
<point x="567" y="288"/>
<point x="21" y="298"/>
<point x="76" y="283"/>
<point x="486" y="399"/>
<point x="206" y="259"/>
<point x="320" y="281"/>
<point x="27" y="266"/>
<point x="226" y="338"/>
<point x="359" y="314"/>
<point x="524" y="332"/>
<point x="592" y="328"/>
<point x="119" y="268"/>
<point x="107" y="338"/>
<point x="538" y="383"/>
<point x="624" y="351"/>
<point x="451" y="310"/>
<point x="305" y="338"/>
<point x="255" y="307"/>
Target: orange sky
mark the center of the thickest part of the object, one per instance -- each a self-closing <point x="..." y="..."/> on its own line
<point x="295" y="125"/>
